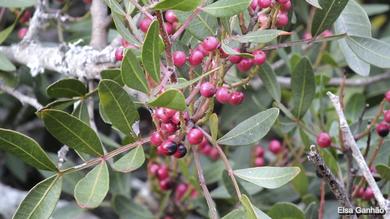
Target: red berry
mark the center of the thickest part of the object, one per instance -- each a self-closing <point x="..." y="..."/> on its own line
<point x="181" y="151"/>
<point x="263" y="20"/>
<point x="223" y="95"/>
<point x="22" y="32"/>
<point x="387" y="96"/>
<point x="259" y="151"/>
<point x="259" y="162"/>
<point x="259" y="57"/>
<point x="202" y="49"/>
<point x="275" y="146"/>
<point x="176" y="118"/>
<point x="360" y="192"/>
<point x="235" y="58"/>
<point x="87" y="2"/>
<point x="153" y="168"/>
<point x="264" y="3"/>
<point x="214" y="153"/>
<point x="181" y="190"/>
<point x="282" y="1"/>
<point x="286" y="6"/>
<point x="386" y="116"/>
<point x="144" y="25"/>
<point x="368" y="194"/>
<point x="324" y="140"/>
<point x="196" y="57"/>
<point x="245" y="64"/>
<point x="156" y="139"/>
<point x="25" y="17"/>
<point x="222" y="53"/>
<point x="281" y="19"/>
<point x="170" y="16"/>
<point x="163" y="172"/>
<point x="168" y="128"/>
<point x="195" y="136"/>
<point x="236" y="98"/>
<point x="206" y="149"/>
<point x="383" y="129"/>
<point x="169" y="112"/>
<point x="119" y="54"/>
<point x="207" y="89"/>
<point x="253" y="4"/>
<point x="160" y="114"/>
<point x="168" y="147"/>
<point x="168" y="28"/>
<point x="165" y="184"/>
<point x="210" y="43"/>
<point x="179" y="58"/>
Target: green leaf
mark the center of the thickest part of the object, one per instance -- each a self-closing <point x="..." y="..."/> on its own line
<point x="259" y="36"/>
<point x="300" y="183"/>
<point x="132" y="74"/>
<point x="260" y="214"/>
<point x="81" y="112"/>
<point x="323" y="19"/>
<point x="201" y="26"/>
<point x="252" y="129"/>
<point x="41" y="200"/>
<point x="171" y="98"/>
<point x="286" y="211"/>
<point x="230" y="51"/>
<point x="235" y="214"/>
<point x="26" y="149"/>
<point x="128" y="209"/>
<point x="151" y="51"/>
<point x="5" y="64"/>
<point x="17" y="3"/>
<point x="6" y="32"/>
<point x="115" y="6"/>
<point x="180" y="5"/>
<point x="118" y="106"/>
<point x="374" y="9"/>
<point x="226" y="8"/>
<point x="355" y="106"/>
<point x="122" y="29"/>
<point x="314" y="3"/>
<point x="330" y="161"/>
<point x="268" y="177"/>
<point x="186" y="83"/>
<point x="227" y="182"/>
<point x="370" y="50"/>
<point x="131" y="161"/>
<point x="303" y="87"/>
<point x="249" y="211"/>
<point x="67" y="88"/>
<point x="383" y="170"/>
<point x="91" y="190"/>
<point x="353" y="21"/>
<point x="72" y="131"/>
<point x="113" y="74"/>
<point x="213" y="125"/>
<point x="268" y="77"/>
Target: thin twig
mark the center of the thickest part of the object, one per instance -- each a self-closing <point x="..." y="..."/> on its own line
<point x="322" y="200"/>
<point x="24" y="99"/>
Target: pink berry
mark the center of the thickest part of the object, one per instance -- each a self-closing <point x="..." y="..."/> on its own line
<point x="235" y="58"/>
<point x="168" y="28"/>
<point x="264" y="3"/>
<point x="156" y="138"/>
<point x="25" y="17"/>
<point x="195" y="136"/>
<point x="119" y="54"/>
<point x="259" y="57"/>
<point x="168" y="147"/>
<point x="386" y="116"/>
<point x="387" y="96"/>
<point x="210" y="43"/>
<point x="253" y="4"/>
<point x="259" y="162"/>
<point x="165" y="184"/>
<point x="176" y="118"/>
<point x="162" y="116"/>
<point x="153" y="168"/>
<point x="324" y="140"/>
<point x="368" y="194"/>
<point x="236" y="98"/>
<point x="286" y="6"/>
<point x="327" y="33"/>
<point x="169" y="112"/>
<point x="245" y="64"/>
<point x="259" y="151"/>
<point x="207" y="89"/>
<point x="181" y="190"/>
<point x="170" y="16"/>
<point x="144" y="25"/>
<point x="214" y="153"/>
<point x="263" y="20"/>
<point x="179" y="58"/>
<point x="124" y="43"/>
<point x="168" y="128"/>
<point x="196" y="58"/>
<point x="223" y="95"/>
<point x="307" y="36"/>
<point x="281" y="19"/>
<point x="360" y="192"/>
<point x="275" y="146"/>
<point x="22" y="32"/>
<point x="383" y="129"/>
<point x="163" y="172"/>
<point x="282" y="1"/>
<point x="206" y="149"/>
<point x="202" y="49"/>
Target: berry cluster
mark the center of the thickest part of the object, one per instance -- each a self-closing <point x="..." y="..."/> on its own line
<point x="222" y="94"/>
<point x="383" y="128"/>
<point x="264" y="16"/>
<point x="324" y="140"/>
<point x="184" y="189"/>
<point x="171" y="23"/>
<point x="164" y="138"/>
<point x="161" y="172"/>
<point x="259" y="156"/>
